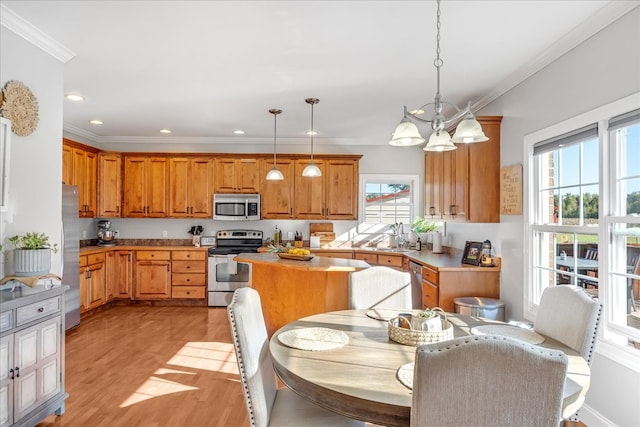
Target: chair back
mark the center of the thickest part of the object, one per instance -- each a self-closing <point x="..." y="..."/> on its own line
<point x="487" y="381"/>
<point x="568" y="315"/>
<point x="250" y="340"/>
<point x="591" y="253"/>
<point x="380" y="287"/>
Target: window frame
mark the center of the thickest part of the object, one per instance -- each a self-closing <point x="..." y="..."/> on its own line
<point x="610" y="342"/>
<point x="410" y="179"/>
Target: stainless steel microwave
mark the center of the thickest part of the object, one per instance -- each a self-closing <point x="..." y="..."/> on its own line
<point x="236" y="207"/>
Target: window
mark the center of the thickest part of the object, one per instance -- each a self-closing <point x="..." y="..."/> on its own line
<point x="584" y="221"/>
<point x="388" y="199"/>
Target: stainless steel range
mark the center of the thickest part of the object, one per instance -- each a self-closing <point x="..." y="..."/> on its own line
<point x="226" y="275"/>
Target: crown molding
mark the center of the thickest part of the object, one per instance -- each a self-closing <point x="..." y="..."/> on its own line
<point x="14" y="22"/>
<point x="610" y="13"/>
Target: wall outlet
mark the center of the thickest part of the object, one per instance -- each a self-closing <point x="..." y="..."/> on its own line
<point x="84" y="234"/>
<point x="289" y="235"/>
<point x="165" y="233"/>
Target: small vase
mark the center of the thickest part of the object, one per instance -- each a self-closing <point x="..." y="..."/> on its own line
<point x="31" y="262"/>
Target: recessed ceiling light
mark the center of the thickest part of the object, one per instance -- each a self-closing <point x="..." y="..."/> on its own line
<point x="238" y="132"/>
<point x="72" y="97"/>
<point x="96" y="122"/>
<point x="165" y="131"/>
<point x="312" y="132"/>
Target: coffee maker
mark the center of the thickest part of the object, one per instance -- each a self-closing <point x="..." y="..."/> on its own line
<point x="106" y="236"/>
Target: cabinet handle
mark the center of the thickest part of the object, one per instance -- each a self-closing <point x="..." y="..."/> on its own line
<point x="188" y="280"/>
<point x="291" y="211"/>
<point x="11" y="376"/>
<point x="432" y="210"/>
<point x="453" y="210"/>
<point x="167" y="267"/>
<point x="41" y="309"/>
<point x="17" y="372"/>
<point x="117" y="209"/>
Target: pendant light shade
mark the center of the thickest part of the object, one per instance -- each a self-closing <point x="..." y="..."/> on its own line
<point x="440" y="141"/>
<point x="312" y="171"/>
<point x="274" y="174"/>
<point x="406" y="134"/>
<point x="469" y="130"/>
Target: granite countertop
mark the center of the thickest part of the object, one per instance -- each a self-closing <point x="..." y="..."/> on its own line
<point x="317" y="263"/>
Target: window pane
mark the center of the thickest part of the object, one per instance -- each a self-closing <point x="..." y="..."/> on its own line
<point x="629" y="176"/>
<point x="388" y="203"/>
<point x="590" y="160"/>
<point x="569" y="165"/>
<point x="624" y="277"/>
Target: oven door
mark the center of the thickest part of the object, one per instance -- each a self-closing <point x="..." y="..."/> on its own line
<point x="224" y="277"/>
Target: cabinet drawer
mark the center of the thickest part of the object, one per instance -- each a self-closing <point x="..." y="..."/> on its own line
<point x="84" y="261"/>
<point x="429" y="295"/>
<point x="188" y="266"/>
<point x="430" y="275"/>
<point x="390" y="260"/>
<point x="189" y="255"/>
<point x="369" y="258"/>
<point x="95" y="259"/>
<point x="37" y="310"/>
<point x="188" y="279"/>
<point x="155" y="255"/>
<point x="6" y="321"/>
<point x="187" y="292"/>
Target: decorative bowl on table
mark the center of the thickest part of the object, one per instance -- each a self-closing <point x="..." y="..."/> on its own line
<point x="285" y="255"/>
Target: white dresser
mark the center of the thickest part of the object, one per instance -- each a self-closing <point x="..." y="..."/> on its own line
<point x="31" y="355"/>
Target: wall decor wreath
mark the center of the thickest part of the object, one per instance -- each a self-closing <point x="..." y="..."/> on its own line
<point x="20" y="106"/>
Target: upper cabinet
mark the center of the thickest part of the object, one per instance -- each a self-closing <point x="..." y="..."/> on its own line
<point x="145" y="187"/>
<point x="236" y="175"/>
<point x="80" y="168"/>
<point x="190" y="187"/>
<point x="464" y="184"/>
<point x="277" y="196"/>
<point x="109" y="185"/>
<point x="334" y="195"/>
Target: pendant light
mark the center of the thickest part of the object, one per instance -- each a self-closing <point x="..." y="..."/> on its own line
<point x="312" y="170"/>
<point x="274" y="174"/>
<point x="468" y="131"/>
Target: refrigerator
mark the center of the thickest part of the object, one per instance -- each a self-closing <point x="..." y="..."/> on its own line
<point x="71" y="254"/>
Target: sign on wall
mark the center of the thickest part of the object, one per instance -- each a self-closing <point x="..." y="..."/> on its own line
<point x="511" y="190"/>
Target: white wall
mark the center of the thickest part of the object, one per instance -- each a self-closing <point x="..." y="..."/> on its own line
<point x="601" y="70"/>
<point x="36" y="160"/>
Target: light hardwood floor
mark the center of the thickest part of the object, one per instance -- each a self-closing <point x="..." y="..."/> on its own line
<point x="152" y="366"/>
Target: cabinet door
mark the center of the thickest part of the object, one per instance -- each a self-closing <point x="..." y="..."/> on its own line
<point x="37" y="355"/>
<point x="341" y="189"/>
<point x="432" y="187"/>
<point x="247" y="176"/>
<point x="134" y="194"/>
<point x="200" y="188"/>
<point x="119" y="274"/>
<point x="484" y="173"/>
<point x="225" y="176"/>
<point x="455" y="179"/>
<point x="84" y="289"/>
<point x="79" y="168"/>
<point x="90" y="184"/>
<point x="234" y="175"/>
<point x="96" y="285"/>
<point x="6" y="383"/>
<point x="277" y="196"/>
<point x="152" y="279"/>
<point x="109" y="185"/>
<point x="309" y="192"/>
<point x="157" y="187"/>
<point x="429" y="295"/>
<point x="67" y="166"/>
<point x="179" y="183"/>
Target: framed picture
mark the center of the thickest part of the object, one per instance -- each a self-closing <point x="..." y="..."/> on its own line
<point x="471" y="254"/>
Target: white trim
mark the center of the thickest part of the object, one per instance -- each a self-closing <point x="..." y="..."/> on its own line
<point x="413" y="180"/>
<point x="623" y="355"/>
<point x="590" y="417"/>
<point x="14" y="22"/>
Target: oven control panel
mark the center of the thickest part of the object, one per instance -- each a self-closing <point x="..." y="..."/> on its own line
<point x="239" y="234"/>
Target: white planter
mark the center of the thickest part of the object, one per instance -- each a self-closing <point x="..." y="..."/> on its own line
<point x="31" y="262"/>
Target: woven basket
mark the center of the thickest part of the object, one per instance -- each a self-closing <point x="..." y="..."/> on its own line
<point x="415" y="338"/>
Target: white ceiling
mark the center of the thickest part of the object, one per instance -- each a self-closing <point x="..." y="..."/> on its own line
<point x="206" y="68"/>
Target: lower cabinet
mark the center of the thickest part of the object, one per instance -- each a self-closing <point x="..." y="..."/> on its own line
<point x="188" y="274"/>
<point x="31" y="358"/>
<point x="393" y="261"/>
<point x="92" y="281"/>
<point x="119" y="274"/>
<point x="152" y="275"/>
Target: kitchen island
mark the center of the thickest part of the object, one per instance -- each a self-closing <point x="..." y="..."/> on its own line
<point x="291" y="289"/>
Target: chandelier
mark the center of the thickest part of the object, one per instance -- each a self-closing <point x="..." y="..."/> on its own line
<point x="468" y="131"/>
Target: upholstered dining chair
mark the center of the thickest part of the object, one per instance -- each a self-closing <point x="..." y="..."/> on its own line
<point x="266" y="404"/>
<point x="487" y="380"/>
<point x="380" y="287"/>
<point x="568" y="315"/>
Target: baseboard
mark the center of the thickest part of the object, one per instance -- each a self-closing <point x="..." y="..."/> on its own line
<point x="592" y="418"/>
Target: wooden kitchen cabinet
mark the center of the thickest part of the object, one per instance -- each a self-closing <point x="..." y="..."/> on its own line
<point x="152" y="275"/>
<point x="188" y="274"/>
<point x="236" y="175"/>
<point x="80" y="168"/>
<point x="464" y="184"/>
<point x="190" y="187"/>
<point x="119" y="274"/>
<point x="441" y="286"/>
<point x="109" y="185"/>
<point x="277" y="197"/>
<point x="389" y="260"/>
<point x="145" y="187"/>
<point x="334" y="195"/>
<point x="92" y="281"/>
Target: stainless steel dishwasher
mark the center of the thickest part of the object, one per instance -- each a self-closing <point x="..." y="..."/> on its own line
<point x="416" y="284"/>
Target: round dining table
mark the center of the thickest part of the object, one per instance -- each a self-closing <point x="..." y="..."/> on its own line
<point x="360" y="379"/>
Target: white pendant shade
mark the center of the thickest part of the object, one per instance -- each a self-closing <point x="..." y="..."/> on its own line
<point x="311" y="171"/>
<point x="468" y="131"/>
<point x="406" y="134"/>
<point x="274" y="175"/>
<point x="440" y="141"/>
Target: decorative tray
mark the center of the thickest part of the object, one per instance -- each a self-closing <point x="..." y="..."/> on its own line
<point x="296" y="257"/>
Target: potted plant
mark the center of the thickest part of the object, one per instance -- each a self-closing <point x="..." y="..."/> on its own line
<point x="32" y="254"/>
<point x="422" y="227"/>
